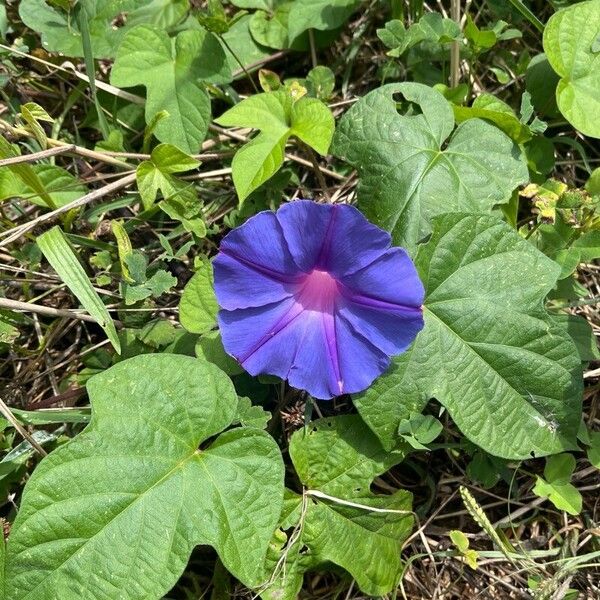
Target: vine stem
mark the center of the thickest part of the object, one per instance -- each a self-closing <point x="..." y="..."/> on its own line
<point x="318" y="173"/>
<point x="239" y="62"/>
<point x="313" y="48"/>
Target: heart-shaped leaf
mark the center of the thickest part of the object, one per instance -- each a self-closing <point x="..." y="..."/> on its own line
<point x="339" y="519"/>
<point x="411" y="169"/>
<point x="278" y="116"/>
<point x="157" y="174"/>
<point x="556" y="484"/>
<point x="173" y="71"/>
<point x="116" y="512"/>
<point x="569" y="40"/>
<point x="509" y="375"/>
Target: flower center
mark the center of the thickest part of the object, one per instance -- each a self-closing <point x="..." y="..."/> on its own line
<point x="319" y="291"/>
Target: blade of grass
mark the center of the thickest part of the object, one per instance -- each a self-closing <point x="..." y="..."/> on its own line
<point x="65" y="262"/>
<point x="528" y="15"/>
<point x="88" y="56"/>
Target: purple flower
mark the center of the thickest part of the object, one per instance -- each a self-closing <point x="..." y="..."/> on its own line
<point x="314" y="294"/>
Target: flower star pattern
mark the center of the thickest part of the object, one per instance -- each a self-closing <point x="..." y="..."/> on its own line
<point x="315" y="294"/>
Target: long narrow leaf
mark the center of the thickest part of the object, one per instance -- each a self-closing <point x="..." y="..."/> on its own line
<point x="24" y="172"/>
<point x="64" y="261"/>
<point x="88" y="55"/>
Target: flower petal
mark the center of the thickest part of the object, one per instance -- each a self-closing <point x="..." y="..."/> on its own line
<point x="259" y="243"/>
<point x="247" y="331"/>
<point x="360" y="361"/>
<point x="390" y="279"/>
<point x="286" y="340"/>
<point x="239" y="285"/>
<point x="316" y="366"/>
<point x="390" y="330"/>
<point x="331" y="237"/>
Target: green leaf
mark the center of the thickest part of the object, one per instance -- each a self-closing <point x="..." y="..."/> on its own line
<point x="25" y="173"/>
<point x="419" y="430"/>
<point x="278" y="117"/>
<point x="158" y="333"/>
<point x="136" y="263"/>
<point x="411" y="169"/>
<point x="431" y="27"/>
<point x="257" y="4"/>
<point x="585" y="248"/>
<point x="124" y="249"/>
<point x="460" y="540"/>
<point x="509" y="375"/>
<point x="593" y="452"/>
<point x="198" y="306"/>
<point x="480" y="39"/>
<point x="172" y="70"/>
<point x="241" y="42"/>
<point x="435" y="28"/>
<point x="490" y="108"/>
<point x="541" y="82"/>
<point x="160" y="282"/>
<point x="271" y="28"/>
<point x="485" y="469"/>
<point x="319" y="14"/>
<point x="60" y="32"/>
<point x="555" y="485"/>
<point x="185" y="207"/>
<point x="568" y="42"/>
<point x="395" y="37"/>
<point x="164" y="14"/>
<point x="58" y="184"/>
<point x="320" y="82"/>
<point x="4" y="27"/>
<point x="582" y="335"/>
<point x="210" y="347"/>
<point x="32" y="114"/>
<point x="592" y="185"/>
<point x="117" y="511"/>
<point x="64" y="261"/>
<point x="8" y="330"/>
<point x="251" y="416"/>
<point x="157" y="173"/>
<point x="341" y="520"/>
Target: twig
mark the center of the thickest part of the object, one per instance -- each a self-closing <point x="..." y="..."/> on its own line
<point x="455" y="48"/>
<point x="44" y="310"/>
<point x="7" y="413"/>
<point x="16" y="232"/>
<point x="65" y="149"/>
<point x="15" y="160"/>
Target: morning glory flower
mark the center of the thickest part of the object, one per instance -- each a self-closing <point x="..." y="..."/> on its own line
<point x="314" y="294"/>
